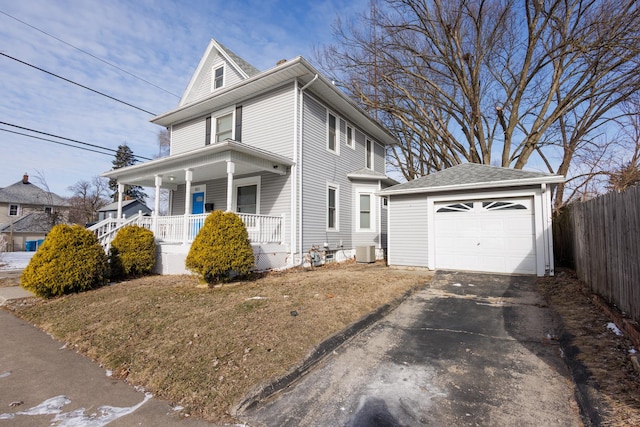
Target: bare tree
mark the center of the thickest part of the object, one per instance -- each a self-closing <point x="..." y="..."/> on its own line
<point x="626" y="171"/>
<point x="88" y="198"/>
<point x="522" y="81"/>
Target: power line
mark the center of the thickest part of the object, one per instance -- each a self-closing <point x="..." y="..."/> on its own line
<point x="77" y="84"/>
<point x="90" y="54"/>
<point x="62" y="137"/>
<point x="55" y="142"/>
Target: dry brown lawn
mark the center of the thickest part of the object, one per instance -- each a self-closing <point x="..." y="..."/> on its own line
<point x="204" y="348"/>
<point x="614" y="385"/>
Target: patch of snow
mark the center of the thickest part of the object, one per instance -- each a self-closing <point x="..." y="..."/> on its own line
<point x="457" y="285"/>
<point x="14" y="260"/>
<point x="178" y="408"/>
<point x="53" y="406"/>
<point x="471" y="284"/>
<point x="5" y="374"/>
<point x="632" y="350"/>
<point x="256" y="298"/>
<point x="109" y="373"/>
<point x="613" y="328"/>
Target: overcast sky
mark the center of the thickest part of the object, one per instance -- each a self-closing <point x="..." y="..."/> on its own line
<point x="160" y="41"/>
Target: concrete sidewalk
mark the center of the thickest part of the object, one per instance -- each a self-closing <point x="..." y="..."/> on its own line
<point x="43" y="383"/>
<point x="13" y="292"/>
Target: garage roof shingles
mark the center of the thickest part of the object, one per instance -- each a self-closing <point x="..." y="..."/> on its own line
<point x="472" y="174"/>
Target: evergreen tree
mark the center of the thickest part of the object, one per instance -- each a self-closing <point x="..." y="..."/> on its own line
<point x="125" y="157"/>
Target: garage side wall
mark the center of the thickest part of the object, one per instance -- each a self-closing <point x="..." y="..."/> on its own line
<point x="408" y="223"/>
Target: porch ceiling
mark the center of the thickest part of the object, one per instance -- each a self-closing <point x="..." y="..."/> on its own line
<point x="206" y="163"/>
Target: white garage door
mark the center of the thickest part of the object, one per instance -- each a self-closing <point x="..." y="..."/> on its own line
<point x="495" y="235"/>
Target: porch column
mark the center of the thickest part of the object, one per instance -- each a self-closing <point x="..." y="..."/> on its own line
<point x="156" y="208"/>
<point x="231" y="168"/>
<point x="120" y="194"/>
<point x="188" y="176"/>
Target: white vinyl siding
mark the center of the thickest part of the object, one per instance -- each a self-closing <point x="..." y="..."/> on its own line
<point x="204" y="85"/>
<point x="267" y="121"/>
<point x="188" y="136"/>
<point x="408" y="223"/>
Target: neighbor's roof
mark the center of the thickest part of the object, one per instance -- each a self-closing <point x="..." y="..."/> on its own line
<point x="469" y="176"/>
<point x="114" y="206"/>
<point x="30" y="194"/>
<point x="34" y="222"/>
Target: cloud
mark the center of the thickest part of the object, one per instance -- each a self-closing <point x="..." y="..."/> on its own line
<point x="159" y="41"/>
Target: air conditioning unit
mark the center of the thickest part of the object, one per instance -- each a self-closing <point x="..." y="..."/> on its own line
<point x="366" y="254"/>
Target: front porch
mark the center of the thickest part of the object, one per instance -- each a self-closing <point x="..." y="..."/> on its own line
<point x="174" y="235"/>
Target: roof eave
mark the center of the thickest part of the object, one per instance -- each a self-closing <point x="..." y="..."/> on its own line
<point x="553" y="179"/>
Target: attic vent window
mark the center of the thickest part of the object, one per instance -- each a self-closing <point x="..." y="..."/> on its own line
<point x="218" y="77"/>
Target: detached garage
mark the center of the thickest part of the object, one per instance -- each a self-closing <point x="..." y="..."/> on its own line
<point x="473" y="217"/>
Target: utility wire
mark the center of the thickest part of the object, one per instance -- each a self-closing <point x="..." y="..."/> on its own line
<point x="55" y="142"/>
<point x="90" y="54"/>
<point x="62" y="137"/>
<point x="77" y="84"/>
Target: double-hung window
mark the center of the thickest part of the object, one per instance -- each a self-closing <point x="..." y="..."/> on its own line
<point x="332" y="207"/>
<point x="368" y="153"/>
<point x="332" y="133"/>
<point x="13" y="210"/>
<point x="350" y="141"/>
<point x="218" y="77"/>
<point x="366" y="209"/>
<point x="224" y="127"/>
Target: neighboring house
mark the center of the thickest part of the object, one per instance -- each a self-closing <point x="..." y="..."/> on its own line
<point x="286" y="149"/>
<point x="473" y="217"/>
<point x="129" y="207"/>
<point x="28" y="212"/>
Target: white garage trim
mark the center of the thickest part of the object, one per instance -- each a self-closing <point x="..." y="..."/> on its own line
<point x="494" y="235"/>
<point x="542" y="222"/>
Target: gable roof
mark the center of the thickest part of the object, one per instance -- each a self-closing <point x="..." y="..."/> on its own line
<point x="34" y="222"/>
<point x="30" y="194"/>
<point x="472" y="176"/>
<point x="214" y="48"/>
<point x="295" y="69"/>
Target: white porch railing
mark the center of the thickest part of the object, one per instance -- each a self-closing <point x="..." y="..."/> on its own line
<point x="171" y="229"/>
<point x="261" y="228"/>
<point x="107" y="229"/>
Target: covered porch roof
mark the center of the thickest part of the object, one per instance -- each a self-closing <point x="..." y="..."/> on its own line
<point x="205" y="163"/>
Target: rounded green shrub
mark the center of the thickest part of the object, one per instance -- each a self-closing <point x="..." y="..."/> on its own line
<point x="133" y="252"/>
<point x="69" y="260"/>
<point x="221" y="250"/>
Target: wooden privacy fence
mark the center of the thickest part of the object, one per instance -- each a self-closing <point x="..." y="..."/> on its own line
<point x="600" y="239"/>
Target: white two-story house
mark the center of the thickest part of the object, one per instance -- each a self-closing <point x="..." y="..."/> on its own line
<point x="285" y="148"/>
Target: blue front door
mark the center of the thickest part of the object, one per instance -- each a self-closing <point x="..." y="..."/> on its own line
<point x="197" y="203"/>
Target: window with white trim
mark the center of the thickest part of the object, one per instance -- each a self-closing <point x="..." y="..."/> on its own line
<point x="246" y="195"/>
<point x="217" y="77"/>
<point x="350" y="136"/>
<point x="332" y="207"/>
<point x="13" y="210"/>
<point x="332" y="133"/>
<point x="368" y="147"/>
<point x="224" y="127"/>
<point x="365" y="212"/>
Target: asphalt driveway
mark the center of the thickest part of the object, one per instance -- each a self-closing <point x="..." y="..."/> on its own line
<point x="469" y="349"/>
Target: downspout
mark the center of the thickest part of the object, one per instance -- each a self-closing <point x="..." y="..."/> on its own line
<point x="294" y="176"/>
<point x="301" y="117"/>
